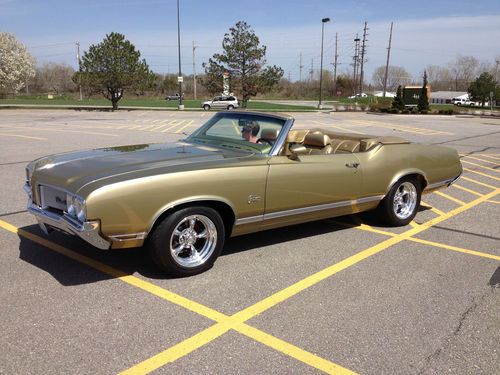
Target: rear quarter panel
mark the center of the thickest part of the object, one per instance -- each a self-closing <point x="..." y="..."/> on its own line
<point x="386" y="164"/>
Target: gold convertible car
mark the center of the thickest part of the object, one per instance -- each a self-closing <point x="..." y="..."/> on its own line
<point x="241" y="172"/>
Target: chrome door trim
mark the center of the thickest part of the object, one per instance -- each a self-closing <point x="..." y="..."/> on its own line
<point x="305" y="210"/>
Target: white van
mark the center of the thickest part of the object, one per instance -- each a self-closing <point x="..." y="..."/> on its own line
<point x="462" y="101"/>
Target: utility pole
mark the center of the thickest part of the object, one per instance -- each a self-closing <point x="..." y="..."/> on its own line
<point x="335" y="68"/>
<point x="355" y="64"/>
<point x="311" y="72"/>
<point x="179" y="77"/>
<point x="194" y="73"/>
<point x="79" y="66"/>
<point x="363" y="52"/>
<point x="300" y="67"/>
<point x="496" y="70"/>
<point x="387" y="64"/>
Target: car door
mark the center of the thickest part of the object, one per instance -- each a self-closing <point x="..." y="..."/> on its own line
<point x="217" y="103"/>
<point x="311" y="187"/>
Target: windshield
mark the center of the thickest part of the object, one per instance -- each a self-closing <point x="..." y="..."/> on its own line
<point x="240" y="131"/>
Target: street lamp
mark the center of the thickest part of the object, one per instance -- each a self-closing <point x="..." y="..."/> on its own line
<point x="323" y="21"/>
<point x="179" y="78"/>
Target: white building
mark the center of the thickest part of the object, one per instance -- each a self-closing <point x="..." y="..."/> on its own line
<point x="445" y="97"/>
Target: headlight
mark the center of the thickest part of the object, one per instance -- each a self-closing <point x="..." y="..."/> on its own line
<point x="75" y="207"/>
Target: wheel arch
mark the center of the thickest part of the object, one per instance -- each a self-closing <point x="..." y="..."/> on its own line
<point x="414" y="173"/>
<point x="225" y="210"/>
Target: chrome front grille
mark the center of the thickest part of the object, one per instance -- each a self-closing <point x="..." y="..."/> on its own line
<point x="52" y="198"/>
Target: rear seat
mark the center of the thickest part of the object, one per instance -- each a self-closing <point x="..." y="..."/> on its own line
<point x="318" y="143"/>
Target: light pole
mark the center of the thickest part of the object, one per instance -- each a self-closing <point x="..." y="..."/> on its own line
<point x="179" y="78"/>
<point x="323" y="21"/>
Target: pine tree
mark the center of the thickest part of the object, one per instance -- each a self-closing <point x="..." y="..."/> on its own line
<point x="398" y="101"/>
<point x="423" y="100"/>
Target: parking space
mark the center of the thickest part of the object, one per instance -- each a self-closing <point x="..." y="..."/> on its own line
<point x="343" y="295"/>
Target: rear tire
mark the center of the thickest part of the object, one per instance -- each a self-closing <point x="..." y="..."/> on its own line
<point x="188" y="241"/>
<point x="230" y="107"/>
<point x="400" y="206"/>
<point x="206" y="107"/>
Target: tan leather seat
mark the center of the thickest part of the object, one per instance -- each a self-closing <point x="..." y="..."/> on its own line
<point x="318" y="143"/>
<point x="367" y="144"/>
<point x="348" y="146"/>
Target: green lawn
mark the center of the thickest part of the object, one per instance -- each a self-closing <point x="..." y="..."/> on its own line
<point x="149" y="102"/>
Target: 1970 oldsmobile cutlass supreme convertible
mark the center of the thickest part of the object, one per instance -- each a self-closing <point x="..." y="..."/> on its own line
<point x="241" y="172"/>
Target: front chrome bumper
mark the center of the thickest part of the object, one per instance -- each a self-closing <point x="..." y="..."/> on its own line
<point x="88" y="231"/>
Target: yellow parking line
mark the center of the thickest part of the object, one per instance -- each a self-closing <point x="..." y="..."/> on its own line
<point x="449" y="197"/>
<point x="299" y="286"/>
<point x="414" y="224"/>
<point x="185" y="126"/>
<point x="433" y="209"/>
<point x="185" y="347"/>
<point x="492" y="201"/>
<point x="476" y="158"/>
<point x="75" y="131"/>
<point x="477" y="182"/>
<point x="23" y="136"/>
<point x="296" y="288"/>
<point x="365" y="228"/>
<point x="454" y="248"/>
<point x="493" y="156"/>
<point x="131" y="280"/>
<point x="431" y="243"/>
<point x="337" y="127"/>
<point x="174" y="124"/>
<point x="467" y="190"/>
<point x="177" y="351"/>
<point x="480" y="166"/>
<point x="291" y="350"/>
<point x="482" y="174"/>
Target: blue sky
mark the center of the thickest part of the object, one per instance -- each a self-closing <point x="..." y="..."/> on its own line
<point x="425" y="32"/>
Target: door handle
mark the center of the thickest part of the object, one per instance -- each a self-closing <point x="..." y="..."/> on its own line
<point x="352" y="165"/>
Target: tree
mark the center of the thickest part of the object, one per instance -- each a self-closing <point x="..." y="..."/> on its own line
<point x="423" y="100"/>
<point x="396" y="75"/>
<point x="53" y="77"/>
<point x="480" y="89"/>
<point x="17" y="66"/>
<point x="113" y="66"/>
<point x="463" y="71"/>
<point x="244" y="59"/>
<point x="398" y="101"/>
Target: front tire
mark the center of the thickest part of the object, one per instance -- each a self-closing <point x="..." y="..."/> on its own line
<point x="400" y="206"/>
<point x="188" y="241"/>
<point x="206" y="107"/>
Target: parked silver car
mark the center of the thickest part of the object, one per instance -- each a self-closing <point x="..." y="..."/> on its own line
<point x="221" y="102"/>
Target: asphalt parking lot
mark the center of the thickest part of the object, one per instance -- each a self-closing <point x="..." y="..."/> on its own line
<point x="343" y="295"/>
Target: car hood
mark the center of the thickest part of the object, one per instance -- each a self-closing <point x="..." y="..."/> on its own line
<point x="72" y="171"/>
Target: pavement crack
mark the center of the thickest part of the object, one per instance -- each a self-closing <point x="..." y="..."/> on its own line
<point x="12" y="213"/>
<point x="447" y="340"/>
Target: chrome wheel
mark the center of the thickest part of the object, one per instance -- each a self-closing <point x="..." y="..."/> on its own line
<point x="405" y="200"/>
<point x="193" y="241"/>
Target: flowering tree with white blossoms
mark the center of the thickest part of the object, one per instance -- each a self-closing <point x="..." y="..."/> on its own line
<point x="16" y="64"/>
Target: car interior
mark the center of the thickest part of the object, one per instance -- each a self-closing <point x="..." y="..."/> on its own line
<point x="322" y="142"/>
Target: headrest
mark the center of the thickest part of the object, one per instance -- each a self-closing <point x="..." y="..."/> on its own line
<point x="269" y="134"/>
<point x="317" y="140"/>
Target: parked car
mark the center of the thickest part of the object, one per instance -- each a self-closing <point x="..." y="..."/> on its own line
<point x="362" y="95"/>
<point x="182" y="200"/>
<point x="173" y="97"/>
<point x="221" y="102"/>
<point x="462" y="101"/>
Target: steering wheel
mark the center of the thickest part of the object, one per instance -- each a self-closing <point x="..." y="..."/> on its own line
<point x="264" y="141"/>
